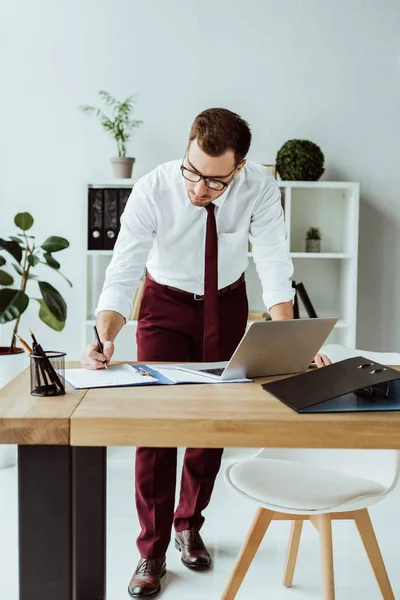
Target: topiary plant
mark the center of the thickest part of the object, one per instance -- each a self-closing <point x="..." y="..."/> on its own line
<point x="300" y="160"/>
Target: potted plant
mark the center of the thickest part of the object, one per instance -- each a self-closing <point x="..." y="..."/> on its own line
<point x="313" y="240"/>
<point x="121" y="127"/>
<point x="300" y="160"/>
<point x="26" y="256"/>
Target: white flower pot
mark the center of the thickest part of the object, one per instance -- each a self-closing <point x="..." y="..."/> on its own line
<point x="10" y="366"/>
<point x="122" y="166"/>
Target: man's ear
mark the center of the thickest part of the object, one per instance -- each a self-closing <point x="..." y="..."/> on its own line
<point x="240" y="167"/>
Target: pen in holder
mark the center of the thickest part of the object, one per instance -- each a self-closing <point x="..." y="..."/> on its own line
<point x="47" y="374"/>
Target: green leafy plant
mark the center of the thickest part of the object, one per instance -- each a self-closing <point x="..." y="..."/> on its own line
<point x="313" y="233"/>
<point x="120" y="124"/>
<point x="300" y="160"/>
<point x="26" y="256"/>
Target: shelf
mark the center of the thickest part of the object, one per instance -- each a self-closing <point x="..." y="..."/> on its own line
<point x="319" y="255"/>
<point x="99" y="252"/>
<point x="315" y="255"/>
<point x="319" y="185"/>
<point x="113" y="183"/>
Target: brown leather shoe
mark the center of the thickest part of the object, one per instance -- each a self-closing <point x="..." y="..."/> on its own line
<point x="145" y="582"/>
<point x="194" y="553"/>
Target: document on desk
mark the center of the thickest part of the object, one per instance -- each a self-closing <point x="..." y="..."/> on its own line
<point x="131" y="375"/>
<point x="114" y="376"/>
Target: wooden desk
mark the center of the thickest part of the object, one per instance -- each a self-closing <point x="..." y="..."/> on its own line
<point x="62" y="459"/>
<point x="220" y="415"/>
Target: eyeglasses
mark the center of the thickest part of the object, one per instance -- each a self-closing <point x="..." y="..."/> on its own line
<point x="213" y="184"/>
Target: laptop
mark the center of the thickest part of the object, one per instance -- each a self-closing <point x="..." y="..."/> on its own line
<point x="271" y="348"/>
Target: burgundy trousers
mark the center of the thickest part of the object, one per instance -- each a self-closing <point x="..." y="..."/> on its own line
<point x="170" y="328"/>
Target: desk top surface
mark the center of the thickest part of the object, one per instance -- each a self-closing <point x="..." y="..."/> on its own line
<point x="212" y="415"/>
<point x="220" y="415"/>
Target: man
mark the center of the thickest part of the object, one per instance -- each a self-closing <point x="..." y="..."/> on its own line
<point x="189" y="223"/>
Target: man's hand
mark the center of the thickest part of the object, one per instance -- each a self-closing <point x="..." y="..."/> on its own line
<point x="321" y="360"/>
<point x="92" y="359"/>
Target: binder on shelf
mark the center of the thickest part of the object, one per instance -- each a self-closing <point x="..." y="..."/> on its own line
<point x="95" y="219"/>
<point x="123" y="197"/>
<point x="111" y="220"/>
<point x="300" y="291"/>
<point x="351" y="385"/>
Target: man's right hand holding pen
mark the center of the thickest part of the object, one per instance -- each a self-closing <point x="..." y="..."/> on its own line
<point x="93" y="359"/>
<point x="98" y="354"/>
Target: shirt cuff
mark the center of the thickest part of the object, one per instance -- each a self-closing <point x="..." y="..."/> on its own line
<point x="114" y="300"/>
<point x="273" y="297"/>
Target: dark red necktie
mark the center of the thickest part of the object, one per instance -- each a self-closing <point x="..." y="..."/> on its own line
<point x="211" y="320"/>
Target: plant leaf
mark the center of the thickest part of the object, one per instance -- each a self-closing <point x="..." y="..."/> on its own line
<point x="48" y="317"/>
<point x="33" y="260"/>
<point x="12" y="304"/>
<point x="53" y="300"/>
<point x="24" y="221"/>
<point x="59" y="272"/>
<point x="55" y="244"/>
<point x="5" y="278"/>
<point x="15" y="239"/>
<point x="51" y="261"/>
<point x="2" y="261"/>
<point x="13" y="248"/>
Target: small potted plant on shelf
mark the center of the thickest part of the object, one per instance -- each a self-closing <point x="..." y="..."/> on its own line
<point x="120" y="125"/>
<point x="313" y="240"/>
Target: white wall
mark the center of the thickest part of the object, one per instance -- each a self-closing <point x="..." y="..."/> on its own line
<point x="326" y="71"/>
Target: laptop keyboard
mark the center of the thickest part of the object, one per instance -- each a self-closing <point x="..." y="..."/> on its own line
<point x="212" y="371"/>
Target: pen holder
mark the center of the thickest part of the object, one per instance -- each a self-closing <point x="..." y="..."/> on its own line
<point x="47" y="374"/>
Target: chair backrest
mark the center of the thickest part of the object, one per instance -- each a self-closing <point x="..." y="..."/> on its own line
<point x="382" y="466"/>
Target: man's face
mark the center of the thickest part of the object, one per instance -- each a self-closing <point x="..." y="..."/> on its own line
<point x="216" y="168"/>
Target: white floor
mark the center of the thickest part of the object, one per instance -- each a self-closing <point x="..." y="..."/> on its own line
<point x="227" y="520"/>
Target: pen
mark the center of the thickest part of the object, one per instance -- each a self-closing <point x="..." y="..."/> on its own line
<point x="99" y="344"/>
<point x="24" y="344"/>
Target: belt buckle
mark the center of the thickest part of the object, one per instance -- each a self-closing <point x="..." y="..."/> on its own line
<point x="197" y="297"/>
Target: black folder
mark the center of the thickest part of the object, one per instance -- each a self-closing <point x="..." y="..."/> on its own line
<point x="355" y="384"/>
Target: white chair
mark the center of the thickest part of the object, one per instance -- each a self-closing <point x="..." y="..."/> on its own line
<point x="319" y="486"/>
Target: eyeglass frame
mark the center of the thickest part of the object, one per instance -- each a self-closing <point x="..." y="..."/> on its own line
<point x="204" y="177"/>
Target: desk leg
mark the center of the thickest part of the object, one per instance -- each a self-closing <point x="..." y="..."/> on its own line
<point x="45" y="523"/>
<point x="89" y="477"/>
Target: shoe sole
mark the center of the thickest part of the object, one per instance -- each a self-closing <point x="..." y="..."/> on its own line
<point x="153" y="594"/>
<point x="188" y="565"/>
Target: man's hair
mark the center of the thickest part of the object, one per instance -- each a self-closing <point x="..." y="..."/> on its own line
<point x="218" y="130"/>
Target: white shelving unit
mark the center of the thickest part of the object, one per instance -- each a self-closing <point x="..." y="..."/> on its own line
<point x="330" y="277"/>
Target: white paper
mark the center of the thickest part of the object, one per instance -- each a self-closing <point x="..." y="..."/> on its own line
<point x="337" y="352"/>
<point x="118" y="375"/>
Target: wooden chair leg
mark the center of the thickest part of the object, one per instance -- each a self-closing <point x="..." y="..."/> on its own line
<point x="293" y="549"/>
<point x="371" y="546"/>
<point x="325" y="533"/>
<point x="253" y="540"/>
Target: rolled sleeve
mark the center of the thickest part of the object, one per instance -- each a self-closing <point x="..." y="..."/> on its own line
<point x="134" y="242"/>
<point x="271" y="254"/>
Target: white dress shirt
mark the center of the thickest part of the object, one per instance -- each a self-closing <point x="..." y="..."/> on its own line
<point x="162" y="230"/>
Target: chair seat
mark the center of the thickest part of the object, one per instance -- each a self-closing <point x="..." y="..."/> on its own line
<point x="294" y="486"/>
